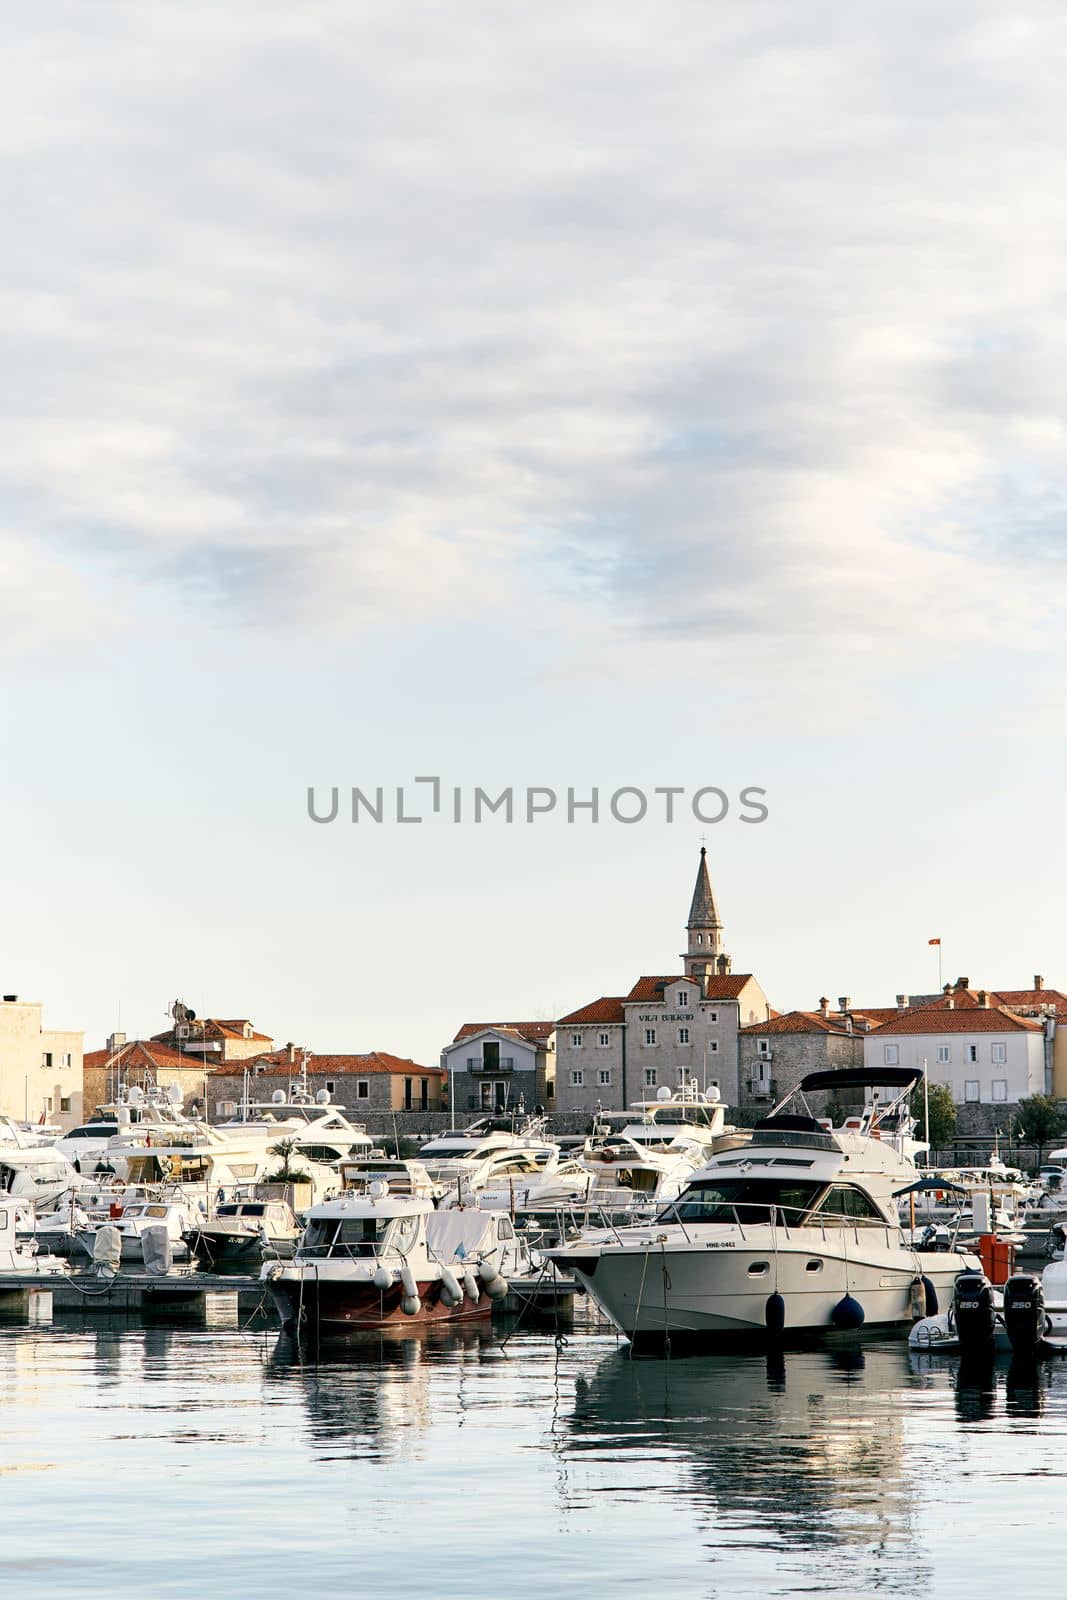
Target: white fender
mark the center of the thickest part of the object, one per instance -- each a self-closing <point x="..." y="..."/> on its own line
<point x="383" y="1278"/>
<point x="451" y="1293"/>
<point x="407" y="1278"/>
<point x="487" y="1272"/>
<point x="496" y="1286"/>
<point x="411" y="1305"/>
<point x="470" y="1284"/>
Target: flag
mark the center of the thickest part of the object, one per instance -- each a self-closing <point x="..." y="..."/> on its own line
<point x="933" y="941"/>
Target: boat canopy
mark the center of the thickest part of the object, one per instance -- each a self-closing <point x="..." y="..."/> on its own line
<point x="929" y="1184"/>
<point x="862" y="1078"/>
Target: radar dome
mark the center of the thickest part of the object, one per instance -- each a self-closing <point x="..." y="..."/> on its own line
<point x="278" y="1097"/>
<point x="135" y="1095"/>
<point x="323" y="1097"/>
<point x="663" y="1092"/>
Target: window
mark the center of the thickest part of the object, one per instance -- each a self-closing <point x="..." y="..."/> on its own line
<point x="944" y="1054"/>
<point x="64" y="1103"/>
<point x="650" y="1077"/>
<point x="892" y="1055"/>
<point x="972" y="1052"/>
<point x="1000" y="1089"/>
<point x="46" y="1058"/>
<point x="1000" y="1053"/>
<point x="331" y="1086"/>
<point x="763" y="1047"/>
<point x="744" y="1200"/>
<point x="972" y="1091"/>
<point x="683" y="1035"/>
<point x="408" y="1093"/>
<point x="650" y="1035"/>
<point x="362" y="1088"/>
<point x="576" y="1041"/>
<point x="683" y="999"/>
<point x="603" y="1077"/>
<point x="65" y="1059"/>
<point x="845" y="1204"/>
<point x="577" y="1078"/>
<point x="713" y="1046"/>
<point x="603" y="1040"/>
<point x="713" y="1016"/>
<point x="424" y="1094"/>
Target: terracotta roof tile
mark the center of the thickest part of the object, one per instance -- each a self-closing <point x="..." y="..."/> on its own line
<point x="725" y="986"/>
<point x="800" y="1022"/>
<point x="607" y="1009"/>
<point x="326" y="1065"/>
<point x="961" y="1019"/>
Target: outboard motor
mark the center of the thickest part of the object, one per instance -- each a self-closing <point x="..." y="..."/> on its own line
<point x="1024" y="1312"/>
<point x="972" y="1304"/>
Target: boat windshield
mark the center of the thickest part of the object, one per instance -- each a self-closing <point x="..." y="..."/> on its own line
<point x="744" y="1200"/>
<point x="349" y="1237"/>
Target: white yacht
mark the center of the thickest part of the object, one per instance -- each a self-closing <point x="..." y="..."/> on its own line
<point x="319" y="1131"/>
<point x="797" y="1230"/>
<point x="243" y="1231"/>
<point x="177" y="1216"/>
<point x="484" y="1156"/>
<point x="30" y="1171"/>
<point x="536" y="1181"/>
<point x="643" y="1157"/>
<point x="369" y="1260"/>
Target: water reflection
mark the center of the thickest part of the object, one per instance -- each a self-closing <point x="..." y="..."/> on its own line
<point x="801" y="1447"/>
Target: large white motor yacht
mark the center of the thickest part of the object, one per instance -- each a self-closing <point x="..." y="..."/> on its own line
<point x="796" y="1230"/>
<point x="484" y="1156"/>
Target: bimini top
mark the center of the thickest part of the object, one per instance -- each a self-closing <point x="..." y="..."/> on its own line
<point x="862" y="1078"/>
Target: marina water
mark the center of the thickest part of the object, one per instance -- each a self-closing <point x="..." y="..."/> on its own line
<point x="168" y="1461"/>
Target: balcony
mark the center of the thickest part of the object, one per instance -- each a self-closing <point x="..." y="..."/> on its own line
<point x="476" y="1065"/>
<point x="762" y="1088"/>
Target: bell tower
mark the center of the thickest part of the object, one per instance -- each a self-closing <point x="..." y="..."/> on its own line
<point x="704" y="957"/>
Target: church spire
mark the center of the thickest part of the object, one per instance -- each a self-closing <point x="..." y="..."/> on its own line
<point x="704" y="957"/>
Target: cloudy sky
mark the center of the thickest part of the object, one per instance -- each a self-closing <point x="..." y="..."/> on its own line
<point x="572" y="395"/>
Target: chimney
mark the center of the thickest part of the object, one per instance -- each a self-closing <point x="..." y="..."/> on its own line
<point x="1039" y="982"/>
<point x="951" y="1003"/>
<point x="963" y="983"/>
<point x="290" y="1052"/>
<point x="844" y="1002"/>
<point x="947" y="989"/>
<point x="115" y="1041"/>
<point x="983" y="999"/>
<point x="824" y="1007"/>
<point x="903" y="1001"/>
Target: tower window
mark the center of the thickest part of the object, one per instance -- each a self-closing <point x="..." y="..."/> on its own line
<point x="577" y="1078"/>
<point x="683" y="1035"/>
<point x="576" y="1041"/>
<point x="650" y="1035"/>
<point x="603" y="1040"/>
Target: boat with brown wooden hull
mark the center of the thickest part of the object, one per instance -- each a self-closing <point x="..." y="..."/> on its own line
<point x="372" y="1259"/>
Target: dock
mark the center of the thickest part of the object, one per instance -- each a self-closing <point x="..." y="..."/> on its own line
<point x="216" y="1300"/>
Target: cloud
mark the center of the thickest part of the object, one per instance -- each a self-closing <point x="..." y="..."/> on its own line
<point x="715" y="323"/>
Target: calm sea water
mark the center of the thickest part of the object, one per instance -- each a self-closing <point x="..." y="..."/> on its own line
<point x="174" y="1462"/>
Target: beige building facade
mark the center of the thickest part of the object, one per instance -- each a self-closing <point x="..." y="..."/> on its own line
<point x="40" y="1068"/>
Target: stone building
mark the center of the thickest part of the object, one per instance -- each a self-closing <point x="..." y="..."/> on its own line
<point x="40" y="1068"/>
<point x="371" y="1081"/>
<point x="211" y="1039"/>
<point x="667" y="1029"/>
<point x="142" y="1064"/>
<point x="502" y="1066"/>
<point x="773" y="1056"/>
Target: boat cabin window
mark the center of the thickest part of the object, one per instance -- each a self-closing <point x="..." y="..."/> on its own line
<point x="845" y="1205"/>
<point x="321" y="1152"/>
<point x="345" y="1237"/>
<point x="744" y="1200"/>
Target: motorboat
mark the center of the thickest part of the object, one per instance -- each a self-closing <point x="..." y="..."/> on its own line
<point x="797" y="1230"/>
<point x="20" y="1255"/>
<point x="642" y="1157"/>
<point x="315" y="1129"/>
<point x="1027" y="1314"/>
<point x="30" y="1171"/>
<point x="367" y="1261"/>
<point x="687" y="1114"/>
<point x="403" y="1177"/>
<point x="244" y="1231"/>
<point x="484" y="1156"/>
<point x="546" y="1181"/>
<point x="177" y="1216"/>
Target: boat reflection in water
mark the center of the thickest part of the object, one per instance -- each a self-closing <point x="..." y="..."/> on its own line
<point x="802" y="1448"/>
<point x="372" y="1396"/>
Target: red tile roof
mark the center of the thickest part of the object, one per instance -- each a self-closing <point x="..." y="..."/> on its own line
<point x="1033" y="999"/>
<point x="961" y="1019"/>
<point x="800" y="1022"/>
<point x="145" y="1053"/>
<point x="532" y="1032"/>
<point x="607" y="1009"/>
<point x="724" y="986"/>
<point x="325" y="1065"/>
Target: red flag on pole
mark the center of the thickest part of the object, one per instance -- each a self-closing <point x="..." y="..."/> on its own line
<point x="933" y="941"/>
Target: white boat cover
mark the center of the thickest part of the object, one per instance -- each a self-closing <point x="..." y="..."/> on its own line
<point x="155" y="1243"/>
<point x="107" y="1250"/>
<point x="456" y="1234"/>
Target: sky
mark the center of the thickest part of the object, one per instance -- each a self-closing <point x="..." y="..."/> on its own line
<point x="570" y="397"/>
